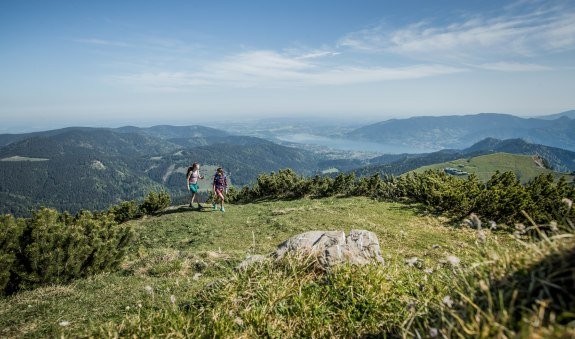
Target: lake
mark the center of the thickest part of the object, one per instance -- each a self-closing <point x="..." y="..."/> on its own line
<point x="351" y="145"/>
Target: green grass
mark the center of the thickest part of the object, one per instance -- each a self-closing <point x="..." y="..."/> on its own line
<point x="524" y="166"/>
<point x="179" y="253"/>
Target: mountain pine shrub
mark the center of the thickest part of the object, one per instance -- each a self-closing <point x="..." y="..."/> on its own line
<point x="10" y="230"/>
<point x="155" y="202"/>
<point x="126" y="210"/>
<point x="53" y="248"/>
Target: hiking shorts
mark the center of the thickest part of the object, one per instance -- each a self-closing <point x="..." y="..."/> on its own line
<point x="194" y="188"/>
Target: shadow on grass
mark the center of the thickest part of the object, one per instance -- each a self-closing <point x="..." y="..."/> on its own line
<point x="550" y="281"/>
<point x="184" y="209"/>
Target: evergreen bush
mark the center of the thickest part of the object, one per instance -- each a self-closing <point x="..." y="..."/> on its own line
<point x="53" y="248"/>
<point x="10" y="230"/>
<point x="155" y="202"/>
<point x="126" y="210"/>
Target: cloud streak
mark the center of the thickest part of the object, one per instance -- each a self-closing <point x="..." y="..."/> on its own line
<point x="540" y="31"/>
<point x="272" y="69"/>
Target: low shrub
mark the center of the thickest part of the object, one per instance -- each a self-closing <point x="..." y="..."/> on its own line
<point x="53" y="248"/>
<point x="155" y="202"/>
<point x="126" y="210"/>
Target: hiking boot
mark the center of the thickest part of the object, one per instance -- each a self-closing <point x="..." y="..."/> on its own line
<point x="213" y="207"/>
<point x="200" y="206"/>
<point x="222" y="209"/>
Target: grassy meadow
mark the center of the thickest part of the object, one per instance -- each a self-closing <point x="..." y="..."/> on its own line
<point x="179" y="280"/>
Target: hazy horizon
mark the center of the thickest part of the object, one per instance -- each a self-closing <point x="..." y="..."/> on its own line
<point x="30" y="127"/>
<point x="145" y="63"/>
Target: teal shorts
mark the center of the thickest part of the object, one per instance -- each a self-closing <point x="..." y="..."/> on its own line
<point x="194" y="188"/>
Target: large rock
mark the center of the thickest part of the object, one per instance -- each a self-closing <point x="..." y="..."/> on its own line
<point x="359" y="247"/>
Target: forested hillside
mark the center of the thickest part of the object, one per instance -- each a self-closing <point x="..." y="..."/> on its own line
<point x="81" y="168"/>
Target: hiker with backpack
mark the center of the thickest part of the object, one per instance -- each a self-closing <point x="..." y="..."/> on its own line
<point x="192" y="177"/>
<point x="220" y="185"/>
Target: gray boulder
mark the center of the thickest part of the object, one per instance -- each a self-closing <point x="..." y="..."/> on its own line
<point x="330" y="248"/>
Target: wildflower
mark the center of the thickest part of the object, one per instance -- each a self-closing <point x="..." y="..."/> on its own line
<point x="149" y="289"/>
<point x="173" y="299"/>
<point x="553" y="226"/>
<point x="428" y="270"/>
<point x="140" y="305"/>
<point x="483" y="286"/>
<point x="567" y="203"/>
<point x="64" y="323"/>
<point x="239" y="321"/>
<point x="453" y="260"/>
<point x="127" y="308"/>
<point x="196" y="276"/>
<point x="433" y="332"/>
<point x="412" y="261"/>
<point x="447" y="301"/>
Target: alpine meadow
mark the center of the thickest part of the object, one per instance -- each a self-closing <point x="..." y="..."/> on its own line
<point x="326" y="169"/>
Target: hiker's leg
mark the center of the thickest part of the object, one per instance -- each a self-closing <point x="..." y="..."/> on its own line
<point x="221" y="195"/>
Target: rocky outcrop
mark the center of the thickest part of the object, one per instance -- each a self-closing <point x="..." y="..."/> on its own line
<point x="329" y="248"/>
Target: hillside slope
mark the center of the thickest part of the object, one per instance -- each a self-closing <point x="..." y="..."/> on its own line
<point x="178" y="253"/>
<point x="558" y="159"/>
<point x="484" y="166"/>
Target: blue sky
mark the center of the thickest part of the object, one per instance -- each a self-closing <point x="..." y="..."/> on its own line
<point x="183" y="62"/>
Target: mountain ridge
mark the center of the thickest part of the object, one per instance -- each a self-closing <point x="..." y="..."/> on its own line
<point x="461" y="131"/>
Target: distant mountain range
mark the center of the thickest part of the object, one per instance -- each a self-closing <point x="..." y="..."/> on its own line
<point x="161" y="131"/>
<point x="458" y="132"/>
<point x="93" y="168"/>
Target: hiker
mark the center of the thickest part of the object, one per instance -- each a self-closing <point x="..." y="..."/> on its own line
<point x="220" y="184"/>
<point x="192" y="182"/>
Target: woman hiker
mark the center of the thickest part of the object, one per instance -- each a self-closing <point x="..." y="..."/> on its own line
<point x="220" y="185"/>
<point x="192" y="182"/>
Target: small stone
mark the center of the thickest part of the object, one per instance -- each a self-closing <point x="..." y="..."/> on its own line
<point x="433" y="332"/>
<point x="453" y="260"/>
<point x="197" y="276"/>
<point x="447" y="301"/>
<point x="238" y="321"/>
<point x="64" y="323"/>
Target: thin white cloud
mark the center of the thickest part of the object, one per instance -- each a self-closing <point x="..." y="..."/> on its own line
<point x="514" y="67"/>
<point x="103" y="42"/>
<point x="318" y="54"/>
<point x="541" y="31"/>
<point x="272" y="69"/>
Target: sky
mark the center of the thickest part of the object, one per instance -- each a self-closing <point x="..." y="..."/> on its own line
<point x="112" y="63"/>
